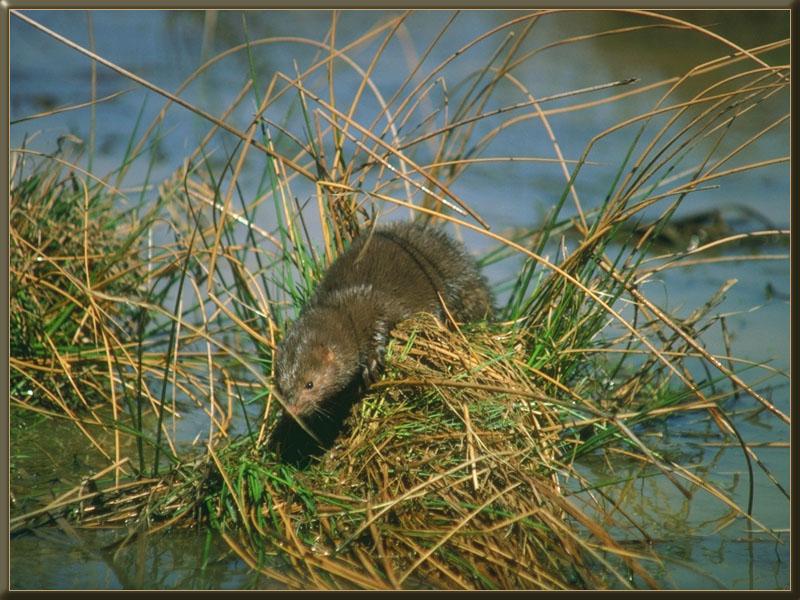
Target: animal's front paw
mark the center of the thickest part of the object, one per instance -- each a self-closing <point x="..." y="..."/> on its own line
<point x="372" y="369"/>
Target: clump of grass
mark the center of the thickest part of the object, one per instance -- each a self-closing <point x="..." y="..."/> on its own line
<point x="73" y="252"/>
<point x="459" y="468"/>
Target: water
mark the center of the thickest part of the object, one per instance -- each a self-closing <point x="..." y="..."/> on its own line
<point x="180" y="559"/>
<point x="165" y="47"/>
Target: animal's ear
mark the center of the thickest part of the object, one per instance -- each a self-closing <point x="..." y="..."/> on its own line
<point x="328" y="355"/>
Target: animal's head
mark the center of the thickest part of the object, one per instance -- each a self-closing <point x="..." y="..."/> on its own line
<point x="312" y="364"/>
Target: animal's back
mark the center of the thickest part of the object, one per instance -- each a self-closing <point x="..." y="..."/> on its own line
<point x="411" y="264"/>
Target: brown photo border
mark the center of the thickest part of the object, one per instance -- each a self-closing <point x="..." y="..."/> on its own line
<point x="8" y="6"/>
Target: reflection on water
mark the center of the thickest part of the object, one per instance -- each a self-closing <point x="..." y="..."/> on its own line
<point x="702" y="545"/>
<point x="166" y="47"/>
<point x="181" y="559"/>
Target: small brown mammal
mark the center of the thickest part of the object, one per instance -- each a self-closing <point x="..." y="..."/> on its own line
<point x="385" y="276"/>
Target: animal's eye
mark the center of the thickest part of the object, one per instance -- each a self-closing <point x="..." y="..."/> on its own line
<point x="309" y="385"/>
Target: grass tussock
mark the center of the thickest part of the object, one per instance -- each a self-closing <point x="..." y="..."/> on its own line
<point x="73" y="251"/>
<point x="461" y="468"/>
